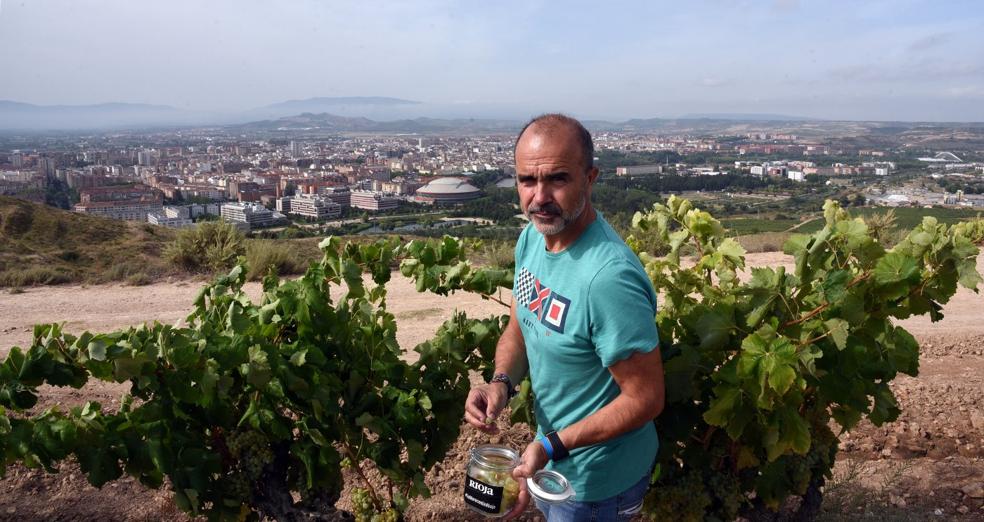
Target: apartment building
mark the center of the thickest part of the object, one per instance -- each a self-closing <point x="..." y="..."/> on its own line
<point x="252" y="214"/>
<point x="375" y="201"/>
<point x="127" y="202"/>
<point x="312" y="206"/>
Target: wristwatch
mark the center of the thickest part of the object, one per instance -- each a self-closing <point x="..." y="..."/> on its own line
<point x="553" y="446"/>
<point x="504" y="378"/>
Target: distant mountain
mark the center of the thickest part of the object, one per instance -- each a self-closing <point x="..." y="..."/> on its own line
<point x="351" y="106"/>
<point x="335" y="123"/>
<point x="744" y="117"/>
<point x="26" y="116"/>
<point x="342" y="100"/>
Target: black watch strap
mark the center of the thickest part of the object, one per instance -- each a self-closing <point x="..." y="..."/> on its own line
<point x="559" y="450"/>
<point x="504" y="378"/>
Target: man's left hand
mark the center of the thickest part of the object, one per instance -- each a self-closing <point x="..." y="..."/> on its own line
<point x="534" y="459"/>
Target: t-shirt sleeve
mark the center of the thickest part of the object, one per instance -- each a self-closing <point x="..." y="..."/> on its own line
<point x="622" y="308"/>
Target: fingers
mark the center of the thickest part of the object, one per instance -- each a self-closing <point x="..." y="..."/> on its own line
<point x="522" y="501"/>
<point x="476" y="407"/>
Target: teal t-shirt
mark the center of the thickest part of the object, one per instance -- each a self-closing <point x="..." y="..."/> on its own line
<point x="580" y="311"/>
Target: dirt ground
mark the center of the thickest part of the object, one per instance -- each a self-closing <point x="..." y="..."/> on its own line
<point x="929" y="465"/>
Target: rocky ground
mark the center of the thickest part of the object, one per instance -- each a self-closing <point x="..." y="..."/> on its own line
<point x="929" y="465"/>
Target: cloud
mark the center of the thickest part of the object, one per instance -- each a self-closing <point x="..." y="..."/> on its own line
<point x="929" y="42"/>
<point x="785" y="5"/>
<point x="714" y="82"/>
<point x="917" y="70"/>
<point x="965" y="91"/>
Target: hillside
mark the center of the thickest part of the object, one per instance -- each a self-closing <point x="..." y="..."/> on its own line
<point x="45" y="245"/>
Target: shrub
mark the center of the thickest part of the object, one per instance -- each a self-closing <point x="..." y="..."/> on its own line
<point x="35" y="275"/>
<point x="139" y="279"/>
<point x="210" y="247"/>
<point x="118" y="271"/>
<point x="499" y="254"/>
<point x="763" y="242"/>
<point x="68" y="255"/>
<point x="881" y="226"/>
<point x="18" y="222"/>
<point x="262" y="255"/>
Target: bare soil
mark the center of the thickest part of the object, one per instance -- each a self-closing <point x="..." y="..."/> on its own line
<point x="928" y="465"/>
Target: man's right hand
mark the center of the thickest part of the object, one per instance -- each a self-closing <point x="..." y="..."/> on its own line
<point x="484" y="404"/>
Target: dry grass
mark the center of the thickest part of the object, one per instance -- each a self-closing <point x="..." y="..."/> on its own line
<point x="283" y="256"/>
<point x="33" y="275"/>
<point x="851" y="495"/>
<point x="763" y="242"/>
<point x="41" y="245"/>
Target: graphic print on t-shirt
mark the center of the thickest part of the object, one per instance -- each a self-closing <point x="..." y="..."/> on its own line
<point x="549" y="306"/>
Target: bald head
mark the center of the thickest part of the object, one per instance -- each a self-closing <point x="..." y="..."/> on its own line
<point x="560" y="127"/>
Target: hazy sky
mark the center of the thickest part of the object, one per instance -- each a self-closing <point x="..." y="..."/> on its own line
<point x="884" y="60"/>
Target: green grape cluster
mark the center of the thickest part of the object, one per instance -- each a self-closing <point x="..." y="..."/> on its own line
<point x="725" y="489"/>
<point x="251" y="449"/>
<point x="390" y="515"/>
<point x="238" y="486"/>
<point x="800" y="472"/>
<point x="362" y="505"/>
<point x="684" y="499"/>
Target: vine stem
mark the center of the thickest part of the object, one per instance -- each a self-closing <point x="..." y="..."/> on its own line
<point x="818" y="310"/>
<point x="707" y="436"/>
<point x="815" y="339"/>
<point x="496" y="299"/>
<point x="358" y="469"/>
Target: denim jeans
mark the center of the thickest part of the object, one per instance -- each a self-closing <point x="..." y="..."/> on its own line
<point x="621" y="507"/>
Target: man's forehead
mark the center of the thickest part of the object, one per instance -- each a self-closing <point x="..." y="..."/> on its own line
<point x="548" y="133"/>
<point x="555" y="146"/>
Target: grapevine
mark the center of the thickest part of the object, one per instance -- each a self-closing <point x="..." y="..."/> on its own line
<point x="253" y="401"/>
<point x="756" y="370"/>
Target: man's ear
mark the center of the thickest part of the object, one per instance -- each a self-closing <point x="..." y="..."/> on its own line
<point x="592" y="175"/>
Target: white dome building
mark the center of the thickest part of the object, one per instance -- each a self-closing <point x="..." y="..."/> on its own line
<point x="448" y="191"/>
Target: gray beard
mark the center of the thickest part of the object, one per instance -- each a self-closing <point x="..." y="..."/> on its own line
<point x="554" y="227"/>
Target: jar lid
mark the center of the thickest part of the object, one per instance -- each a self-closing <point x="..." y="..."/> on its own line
<point x="550" y="487"/>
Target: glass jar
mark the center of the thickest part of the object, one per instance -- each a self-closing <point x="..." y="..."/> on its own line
<point x="490" y="488"/>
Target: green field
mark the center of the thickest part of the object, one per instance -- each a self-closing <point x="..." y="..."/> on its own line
<point x="745" y="226"/>
<point x="905" y="219"/>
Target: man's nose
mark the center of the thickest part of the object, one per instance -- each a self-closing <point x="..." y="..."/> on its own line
<point x="542" y="194"/>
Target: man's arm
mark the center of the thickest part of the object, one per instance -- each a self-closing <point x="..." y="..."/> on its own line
<point x="487" y="400"/>
<point x="640" y="378"/>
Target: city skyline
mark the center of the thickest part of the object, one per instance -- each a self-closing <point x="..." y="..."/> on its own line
<point x="893" y="61"/>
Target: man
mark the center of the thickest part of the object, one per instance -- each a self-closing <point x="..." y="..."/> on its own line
<point x="582" y="324"/>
